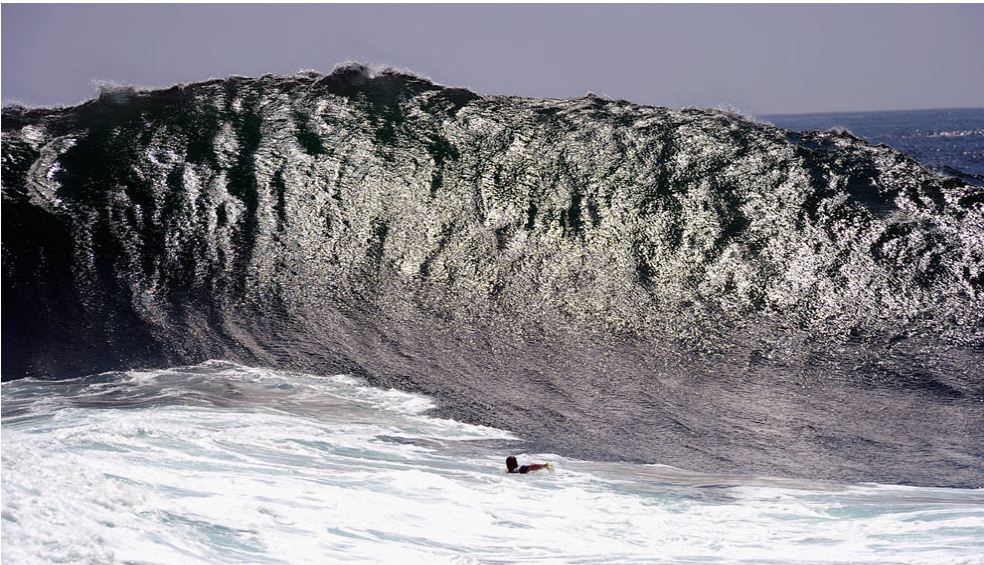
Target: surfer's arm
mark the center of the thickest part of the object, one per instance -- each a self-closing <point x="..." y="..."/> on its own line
<point x="538" y="466"/>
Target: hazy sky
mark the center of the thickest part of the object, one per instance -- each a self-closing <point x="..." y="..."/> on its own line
<point x="760" y="59"/>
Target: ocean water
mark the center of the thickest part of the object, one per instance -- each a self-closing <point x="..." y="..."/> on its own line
<point x="224" y="463"/>
<point x="221" y="463"/>
<point x="950" y="141"/>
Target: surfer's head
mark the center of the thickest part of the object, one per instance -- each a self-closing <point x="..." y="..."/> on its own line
<point x="511" y="463"/>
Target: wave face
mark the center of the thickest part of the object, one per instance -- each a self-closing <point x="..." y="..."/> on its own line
<point x="606" y="279"/>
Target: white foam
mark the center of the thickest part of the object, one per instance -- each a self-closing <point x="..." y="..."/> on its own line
<point x="304" y="469"/>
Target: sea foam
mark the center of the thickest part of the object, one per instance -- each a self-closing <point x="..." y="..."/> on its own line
<point x="223" y="463"/>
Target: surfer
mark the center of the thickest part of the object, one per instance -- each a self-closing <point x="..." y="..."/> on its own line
<point x="512" y="466"/>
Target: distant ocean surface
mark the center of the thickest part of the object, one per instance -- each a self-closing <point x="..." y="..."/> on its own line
<point x="949" y="141"/>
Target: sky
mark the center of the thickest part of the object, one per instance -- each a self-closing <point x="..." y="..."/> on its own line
<point x="759" y="59"/>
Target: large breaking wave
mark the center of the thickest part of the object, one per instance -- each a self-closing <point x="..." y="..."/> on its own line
<point x="606" y="279"/>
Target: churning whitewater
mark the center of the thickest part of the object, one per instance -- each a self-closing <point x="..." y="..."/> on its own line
<point x="220" y="463"/>
<point x="607" y="281"/>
